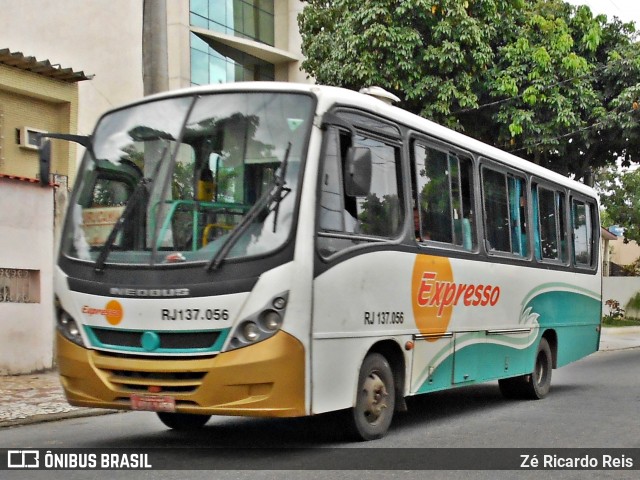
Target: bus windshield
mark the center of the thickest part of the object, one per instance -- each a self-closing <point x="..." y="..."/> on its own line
<point x="170" y="180"/>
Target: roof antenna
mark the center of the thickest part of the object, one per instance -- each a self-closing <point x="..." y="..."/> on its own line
<point x="381" y="94"/>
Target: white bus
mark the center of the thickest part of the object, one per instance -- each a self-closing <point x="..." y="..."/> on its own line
<point x="270" y="249"/>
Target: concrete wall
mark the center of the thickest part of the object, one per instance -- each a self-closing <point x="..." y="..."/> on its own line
<point x="31" y="100"/>
<point x="620" y="289"/>
<point x="26" y="333"/>
<point x="624" y="253"/>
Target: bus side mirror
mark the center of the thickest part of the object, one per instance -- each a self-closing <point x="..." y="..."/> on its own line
<point x="357" y="172"/>
<point x="45" y="161"/>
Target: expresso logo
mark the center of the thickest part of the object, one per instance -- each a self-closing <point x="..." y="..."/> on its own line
<point x="435" y="294"/>
<point x="112" y="312"/>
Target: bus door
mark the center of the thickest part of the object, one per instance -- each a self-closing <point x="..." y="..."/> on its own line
<point x="359" y="292"/>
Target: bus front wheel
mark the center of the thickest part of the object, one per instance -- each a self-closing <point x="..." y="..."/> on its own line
<point x="535" y="385"/>
<point x="183" y="421"/>
<point x="375" y="399"/>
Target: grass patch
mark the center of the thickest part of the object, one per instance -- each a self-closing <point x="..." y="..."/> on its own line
<point x="620" y="322"/>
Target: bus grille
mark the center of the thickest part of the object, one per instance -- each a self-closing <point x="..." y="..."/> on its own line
<point x="182" y="341"/>
<point x="169" y="382"/>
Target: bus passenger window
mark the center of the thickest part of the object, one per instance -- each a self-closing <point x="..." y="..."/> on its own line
<point x="505" y="210"/>
<point x="549" y="238"/>
<point x="582" y="224"/>
<point x="444" y="189"/>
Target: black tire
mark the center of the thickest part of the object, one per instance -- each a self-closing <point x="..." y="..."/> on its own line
<point x="375" y="400"/>
<point x="535" y="385"/>
<point x="183" y="421"/>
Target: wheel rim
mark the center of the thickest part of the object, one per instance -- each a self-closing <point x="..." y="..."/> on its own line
<point x="376" y="398"/>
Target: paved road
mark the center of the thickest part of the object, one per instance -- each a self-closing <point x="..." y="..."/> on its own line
<point x="595" y="403"/>
<point x="38" y="397"/>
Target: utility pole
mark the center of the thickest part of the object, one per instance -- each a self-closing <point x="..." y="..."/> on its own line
<point x="155" y="70"/>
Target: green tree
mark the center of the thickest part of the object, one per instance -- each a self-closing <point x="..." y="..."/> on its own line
<point x="430" y="53"/>
<point x="620" y="195"/>
<point x="543" y="79"/>
<point x="568" y="82"/>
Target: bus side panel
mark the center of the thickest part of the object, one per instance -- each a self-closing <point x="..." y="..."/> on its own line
<point x="470" y="321"/>
<point x="356" y="303"/>
<point x="573" y="314"/>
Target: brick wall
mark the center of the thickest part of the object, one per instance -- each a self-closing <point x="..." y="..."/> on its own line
<point x="31" y="100"/>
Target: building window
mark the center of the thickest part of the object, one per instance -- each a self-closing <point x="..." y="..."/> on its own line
<point x="252" y="19"/>
<point x="212" y="62"/>
<point x="19" y="285"/>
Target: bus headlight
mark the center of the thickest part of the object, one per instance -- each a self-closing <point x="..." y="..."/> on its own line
<point x="67" y="326"/>
<point x="250" y="332"/>
<point x="260" y="326"/>
<point x="270" y="320"/>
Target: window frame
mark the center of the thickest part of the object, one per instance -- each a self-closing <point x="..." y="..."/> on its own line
<point x="345" y="120"/>
<point x="594" y="243"/>
<point x="488" y="164"/>
<point x="536" y="184"/>
<point x="415" y="138"/>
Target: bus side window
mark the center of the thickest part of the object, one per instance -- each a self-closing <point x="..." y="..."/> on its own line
<point x="582" y="223"/>
<point x="505" y="210"/>
<point x="377" y="213"/>
<point x="332" y="208"/>
<point x="549" y="212"/>
<point x="444" y="190"/>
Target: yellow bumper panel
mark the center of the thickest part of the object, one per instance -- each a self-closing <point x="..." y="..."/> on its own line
<point x="265" y="379"/>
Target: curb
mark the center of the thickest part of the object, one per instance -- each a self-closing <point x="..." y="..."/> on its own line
<point x="53" y="417"/>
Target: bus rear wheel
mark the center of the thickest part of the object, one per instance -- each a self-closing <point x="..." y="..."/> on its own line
<point x="535" y="385"/>
<point x="183" y="421"/>
<point x="375" y="401"/>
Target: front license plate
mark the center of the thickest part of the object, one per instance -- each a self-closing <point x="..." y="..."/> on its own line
<point x="153" y="403"/>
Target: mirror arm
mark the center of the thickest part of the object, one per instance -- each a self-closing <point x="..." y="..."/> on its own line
<point x="45" y="151"/>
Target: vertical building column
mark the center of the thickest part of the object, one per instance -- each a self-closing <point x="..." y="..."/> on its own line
<point x="155" y="74"/>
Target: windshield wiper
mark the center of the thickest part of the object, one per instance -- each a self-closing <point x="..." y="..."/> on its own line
<point x="132" y="204"/>
<point x="265" y="201"/>
<point x="136" y="197"/>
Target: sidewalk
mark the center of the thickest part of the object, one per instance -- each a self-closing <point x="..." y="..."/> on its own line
<point x="38" y="397"/>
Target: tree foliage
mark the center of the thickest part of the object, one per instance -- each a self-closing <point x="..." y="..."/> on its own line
<point x="544" y="79"/>
<point x="620" y="193"/>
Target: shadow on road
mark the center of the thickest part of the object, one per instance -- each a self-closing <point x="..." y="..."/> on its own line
<point x="326" y="430"/>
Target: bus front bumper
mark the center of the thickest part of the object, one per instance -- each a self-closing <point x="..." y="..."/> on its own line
<point x="265" y="379"/>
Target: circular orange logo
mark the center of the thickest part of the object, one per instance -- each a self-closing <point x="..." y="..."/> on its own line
<point x="114" y="312"/>
<point x="430" y="289"/>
